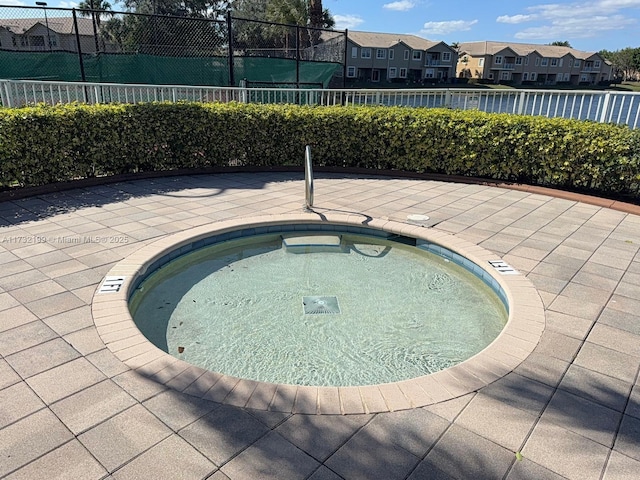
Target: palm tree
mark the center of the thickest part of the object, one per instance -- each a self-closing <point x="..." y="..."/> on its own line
<point x="101" y="6"/>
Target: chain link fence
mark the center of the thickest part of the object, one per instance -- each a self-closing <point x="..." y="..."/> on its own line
<point x="59" y="44"/>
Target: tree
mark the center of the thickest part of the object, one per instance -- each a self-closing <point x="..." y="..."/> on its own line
<point x="626" y="62"/>
<point x="101" y="6"/>
<point x="564" y="43"/>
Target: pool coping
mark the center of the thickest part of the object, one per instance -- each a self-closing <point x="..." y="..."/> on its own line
<point x="514" y="344"/>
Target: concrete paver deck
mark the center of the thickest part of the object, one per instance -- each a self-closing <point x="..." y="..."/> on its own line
<point x="70" y="409"/>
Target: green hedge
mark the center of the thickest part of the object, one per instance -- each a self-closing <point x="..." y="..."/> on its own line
<point x="42" y="144"/>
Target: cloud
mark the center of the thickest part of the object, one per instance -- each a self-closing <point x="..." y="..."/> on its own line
<point x="13" y="3"/>
<point x="64" y="4"/>
<point x="401" y="6"/>
<point x="347" y="21"/>
<point x="443" y="28"/>
<point x="514" y="18"/>
<point x="581" y="19"/>
<point x="576" y="28"/>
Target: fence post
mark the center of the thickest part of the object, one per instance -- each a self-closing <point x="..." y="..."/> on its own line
<point x="232" y="79"/>
<point x="344" y="59"/>
<point x="80" y="60"/>
<point x="5" y="91"/>
<point x="605" y="108"/>
<point x="521" y="102"/>
<point x="297" y="56"/>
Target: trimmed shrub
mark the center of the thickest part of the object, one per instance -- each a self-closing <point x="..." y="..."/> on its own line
<point x="44" y="144"/>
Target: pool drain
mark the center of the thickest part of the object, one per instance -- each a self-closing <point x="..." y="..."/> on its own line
<point x="320" y="305"/>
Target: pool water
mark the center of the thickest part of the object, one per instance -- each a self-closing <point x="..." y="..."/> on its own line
<point x="238" y="308"/>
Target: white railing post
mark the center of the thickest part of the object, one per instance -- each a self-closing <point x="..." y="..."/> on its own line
<point x="5" y="92"/>
<point x="244" y="94"/>
<point x="605" y="108"/>
<point x="448" y="96"/>
<point x="521" y="102"/>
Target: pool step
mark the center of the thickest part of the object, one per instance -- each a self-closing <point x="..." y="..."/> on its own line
<point x="312" y="243"/>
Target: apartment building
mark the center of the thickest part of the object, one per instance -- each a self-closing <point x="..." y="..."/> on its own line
<point x="530" y="64"/>
<point x="50" y="34"/>
<point x="391" y="57"/>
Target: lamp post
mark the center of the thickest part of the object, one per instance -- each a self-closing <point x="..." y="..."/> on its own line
<point x="46" y="21"/>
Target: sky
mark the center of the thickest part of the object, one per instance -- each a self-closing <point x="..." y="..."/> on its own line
<point x="589" y="25"/>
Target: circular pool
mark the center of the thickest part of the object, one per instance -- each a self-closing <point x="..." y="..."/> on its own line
<point x="306" y="306"/>
<point x="315" y="310"/>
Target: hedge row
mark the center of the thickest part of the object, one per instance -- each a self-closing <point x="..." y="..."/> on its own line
<point x="43" y="144"/>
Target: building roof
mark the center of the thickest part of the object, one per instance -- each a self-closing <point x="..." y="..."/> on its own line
<point x="491" y="48"/>
<point x="387" y="40"/>
<point x="60" y="25"/>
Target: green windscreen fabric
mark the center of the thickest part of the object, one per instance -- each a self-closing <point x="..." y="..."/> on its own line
<point x="156" y="70"/>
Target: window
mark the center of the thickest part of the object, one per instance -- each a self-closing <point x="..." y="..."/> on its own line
<point x="554" y="62"/>
<point x="391" y="52"/>
<point x="558" y="77"/>
<point x="417" y="55"/>
<point x="446" y="56"/>
<point x="498" y="60"/>
<point x="429" y="73"/>
<point x="491" y="76"/>
<point x="570" y="63"/>
<point x="354" y="52"/>
<point x="481" y="62"/>
<point x="561" y="62"/>
<point x="36" y="41"/>
<point x="533" y="76"/>
<point x="406" y="54"/>
<point x="381" y="53"/>
<point x="537" y="61"/>
<point x="351" y="72"/>
<point x="518" y="60"/>
<point x="596" y="64"/>
<point x="393" y="72"/>
<point x="526" y="61"/>
<point x="375" y="75"/>
<point x="545" y="62"/>
<point x="505" y="75"/>
<point x="566" y="77"/>
<point x="525" y="76"/>
<point x="365" y="53"/>
<point x="583" y="77"/>
<point x="13" y="41"/>
<point x="403" y="73"/>
<point x="576" y="64"/>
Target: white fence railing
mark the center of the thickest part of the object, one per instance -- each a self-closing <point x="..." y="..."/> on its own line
<point x="599" y="106"/>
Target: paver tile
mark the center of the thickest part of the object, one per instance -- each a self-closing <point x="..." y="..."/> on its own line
<point x="71" y="461"/>
<point x="64" y="380"/>
<point x="153" y="463"/>
<point x="621" y="467"/>
<point x="123" y="437"/>
<point x="482" y="458"/>
<point x="16" y="402"/>
<point x="271" y="457"/>
<point x="42" y="357"/>
<point x="603" y="389"/>
<point x="607" y="361"/>
<point x="223" y="433"/>
<point x="525" y="469"/>
<point x="91" y="406"/>
<point x="8" y="375"/>
<point x="565" y="452"/>
<point x="26" y="440"/>
<point x="583" y="417"/>
<point x="321" y="435"/>
<point x="178" y="410"/>
<point x="628" y="438"/>
<point x="24" y="336"/>
<point x="497" y="421"/>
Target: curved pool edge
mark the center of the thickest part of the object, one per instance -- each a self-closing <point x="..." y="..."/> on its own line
<point x="513" y="345"/>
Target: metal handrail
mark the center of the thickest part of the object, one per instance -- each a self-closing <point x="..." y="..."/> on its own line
<point x="308" y="178"/>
